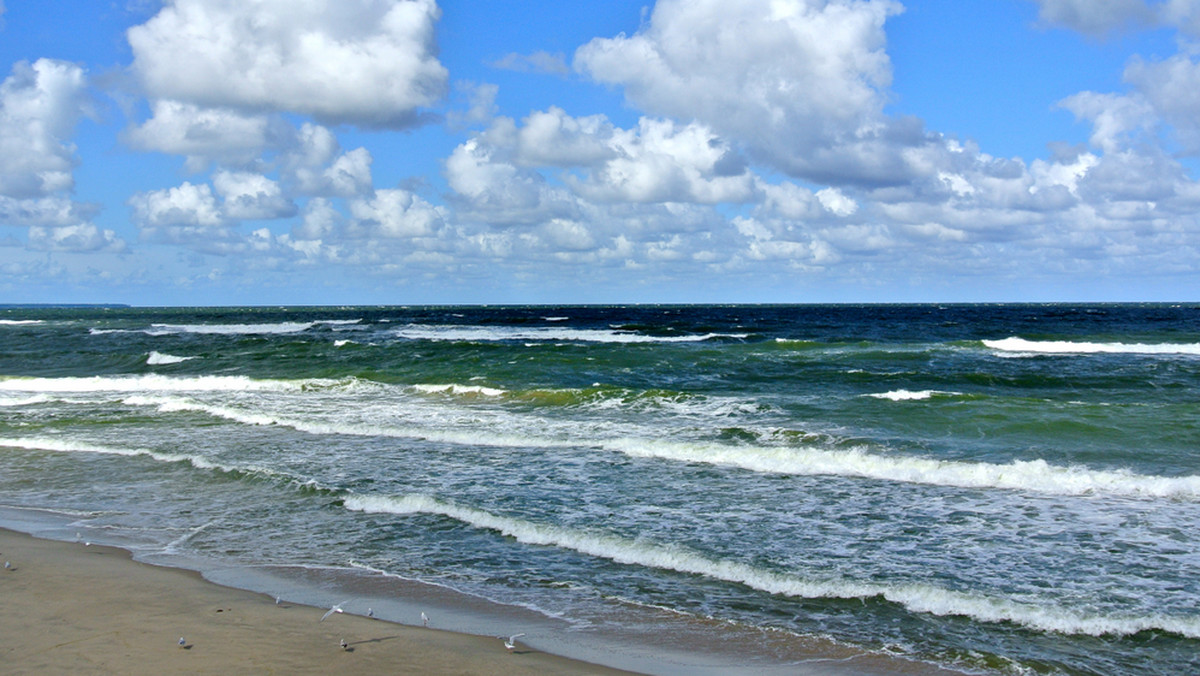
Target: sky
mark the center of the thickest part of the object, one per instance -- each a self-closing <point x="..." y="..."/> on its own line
<point x="312" y="152"/>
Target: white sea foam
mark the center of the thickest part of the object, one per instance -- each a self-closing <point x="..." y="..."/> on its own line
<point x="908" y="395"/>
<point x="1036" y="476"/>
<point x="1024" y="475"/>
<point x="24" y="401"/>
<point x="916" y="597"/>
<point x="149" y="383"/>
<point x="199" y="462"/>
<point x="230" y="329"/>
<point x="484" y="334"/>
<point x="20" y="322"/>
<point x="160" y="359"/>
<point x="314" y="425"/>
<point x="1022" y="345"/>
<point x="460" y="389"/>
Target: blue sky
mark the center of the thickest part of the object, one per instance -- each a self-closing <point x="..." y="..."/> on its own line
<point x="224" y="152"/>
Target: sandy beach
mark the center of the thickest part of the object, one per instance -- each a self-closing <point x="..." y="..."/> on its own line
<point x="72" y="608"/>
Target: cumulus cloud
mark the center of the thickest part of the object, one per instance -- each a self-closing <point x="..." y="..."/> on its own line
<point x="40" y="105"/>
<point x="1172" y="87"/>
<point x="251" y="196"/>
<point x="1095" y="17"/>
<point x="802" y="83"/>
<point x="315" y="165"/>
<point x="207" y="135"/>
<point x="186" y="206"/>
<point x="656" y="162"/>
<point x="78" y="238"/>
<point x="397" y="214"/>
<point x="371" y="63"/>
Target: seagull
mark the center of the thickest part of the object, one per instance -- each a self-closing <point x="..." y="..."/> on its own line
<point x="182" y="643"/>
<point x="370" y="612"/>
<point x="424" y="619"/>
<point x="344" y="644"/>
<point x="511" y="641"/>
<point x="7" y="565"/>
<point x="277" y="599"/>
<point x="336" y="609"/>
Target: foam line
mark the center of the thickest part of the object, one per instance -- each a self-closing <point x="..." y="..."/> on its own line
<point x="916" y="597"/>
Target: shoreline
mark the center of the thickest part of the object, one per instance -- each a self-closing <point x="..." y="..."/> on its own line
<point x="71" y="607"/>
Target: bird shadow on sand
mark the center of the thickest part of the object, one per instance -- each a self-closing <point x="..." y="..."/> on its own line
<point x="380" y="639"/>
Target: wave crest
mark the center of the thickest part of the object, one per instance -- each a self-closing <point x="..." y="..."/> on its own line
<point x="916" y="597"/>
<point x="1022" y="345"/>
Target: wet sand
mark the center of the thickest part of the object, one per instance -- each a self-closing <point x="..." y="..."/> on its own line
<point x="67" y="608"/>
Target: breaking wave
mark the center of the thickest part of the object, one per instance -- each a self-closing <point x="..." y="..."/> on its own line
<point x="1070" y="347"/>
<point x="161" y="359"/>
<point x="915" y="597"/>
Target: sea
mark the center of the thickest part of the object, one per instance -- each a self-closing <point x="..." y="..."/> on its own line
<point x="979" y="489"/>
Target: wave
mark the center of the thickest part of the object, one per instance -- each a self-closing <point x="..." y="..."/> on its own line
<point x="460" y="390"/>
<point x="197" y="461"/>
<point x="916" y="597"/>
<point x="1036" y="476"/>
<point x="229" y="329"/>
<point x="24" y="401"/>
<point x="155" y="383"/>
<point x="481" y="437"/>
<point x="1070" y="347"/>
<point x="20" y="322"/>
<point x="161" y="359"/>
<point x="908" y="395"/>
<point x="484" y="334"/>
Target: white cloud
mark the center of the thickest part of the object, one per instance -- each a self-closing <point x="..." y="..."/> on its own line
<point x="208" y="135"/>
<point x="187" y="204"/>
<point x="1185" y="14"/>
<point x="321" y="220"/>
<point x="45" y="211"/>
<point x="397" y="214"/>
<point x="1172" y="87"/>
<point x="39" y="107"/>
<point x="366" y="62"/>
<point x="551" y="137"/>
<point x="836" y="203"/>
<point x="1117" y="120"/>
<point x="251" y="196"/>
<point x="801" y="82"/>
<point x="1095" y="17"/>
<point x="316" y="165"/>
<point x="661" y="161"/>
<point x="78" y="238"/>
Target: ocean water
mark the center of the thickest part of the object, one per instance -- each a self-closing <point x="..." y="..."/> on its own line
<point x="988" y="488"/>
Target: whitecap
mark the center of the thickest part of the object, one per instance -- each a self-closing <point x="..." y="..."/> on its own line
<point x="460" y="389"/>
<point x="543" y="334"/>
<point x="908" y="395"/>
<point x="150" y="383"/>
<point x="161" y="359"/>
<point x="1022" y="345"/>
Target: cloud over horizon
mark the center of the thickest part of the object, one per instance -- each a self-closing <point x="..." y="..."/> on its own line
<point x="757" y="144"/>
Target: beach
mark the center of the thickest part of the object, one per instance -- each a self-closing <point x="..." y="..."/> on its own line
<point x="76" y="608"/>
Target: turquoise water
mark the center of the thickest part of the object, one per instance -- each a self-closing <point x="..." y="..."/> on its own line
<point x="994" y="488"/>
